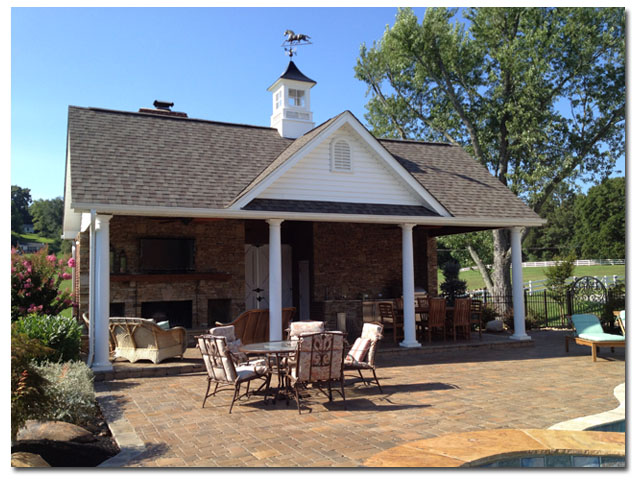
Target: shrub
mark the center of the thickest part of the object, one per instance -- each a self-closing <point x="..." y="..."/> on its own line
<point x="61" y="334"/>
<point x="28" y="394"/>
<point x="452" y="287"/>
<point x="35" y="284"/>
<point x="70" y="385"/>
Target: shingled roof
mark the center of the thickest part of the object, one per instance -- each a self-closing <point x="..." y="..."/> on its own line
<point x="146" y="160"/>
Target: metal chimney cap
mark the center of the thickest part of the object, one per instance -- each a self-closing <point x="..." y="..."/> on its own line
<point x="162" y="105"/>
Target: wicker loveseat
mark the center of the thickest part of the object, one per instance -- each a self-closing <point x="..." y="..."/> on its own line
<point x="141" y="339"/>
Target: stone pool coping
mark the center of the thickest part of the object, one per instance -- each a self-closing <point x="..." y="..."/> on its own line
<point x="470" y="449"/>
<point x="584" y="423"/>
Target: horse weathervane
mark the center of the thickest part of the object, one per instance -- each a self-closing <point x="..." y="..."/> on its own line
<point x="293" y="40"/>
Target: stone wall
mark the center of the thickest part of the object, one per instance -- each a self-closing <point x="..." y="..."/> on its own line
<point x="219" y="248"/>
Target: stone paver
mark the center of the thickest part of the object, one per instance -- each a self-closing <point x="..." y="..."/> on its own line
<point x="426" y="394"/>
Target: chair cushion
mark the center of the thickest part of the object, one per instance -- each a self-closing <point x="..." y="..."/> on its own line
<point x="602" y="337"/>
<point x="586" y="323"/>
<point x="164" y="324"/>
<point x="249" y="372"/>
<point x="298" y="328"/>
<point x="358" y="350"/>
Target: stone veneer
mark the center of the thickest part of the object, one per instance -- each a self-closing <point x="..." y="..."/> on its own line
<point x="219" y="248"/>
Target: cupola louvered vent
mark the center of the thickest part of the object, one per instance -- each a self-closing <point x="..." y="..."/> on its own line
<point x="341" y="156"/>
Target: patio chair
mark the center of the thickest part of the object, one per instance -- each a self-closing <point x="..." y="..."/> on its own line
<point x="309" y="326"/>
<point x="462" y="317"/>
<point x="476" y="315"/>
<point x="222" y="370"/>
<point x="319" y="362"/>
<point x="423" y="316"/>
<point x="365" y="347"/>
<point x="389" y="319"/>
<point x="141" y="339"/>
<point x="437" y="316"/>
<point x="588" y="332"/>
<point x="233" y="343"/>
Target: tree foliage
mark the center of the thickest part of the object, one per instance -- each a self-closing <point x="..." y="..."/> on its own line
<point x="20" y="201"/>
<point x="47" y="217"/>
<point x="537" y="95"/>
<point x="600" y="220"/>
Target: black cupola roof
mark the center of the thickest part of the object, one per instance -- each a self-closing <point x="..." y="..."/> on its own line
<point x="293" y="73"/>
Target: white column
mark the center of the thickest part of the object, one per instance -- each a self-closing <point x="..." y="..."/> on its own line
<point x="101" y="292"/>
<point x="517" y="286"/>
<point x="275" y="280"/>
<point x="408" y="287"/>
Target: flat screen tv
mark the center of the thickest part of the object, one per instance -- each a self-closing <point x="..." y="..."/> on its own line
<point x="167" y="255"/>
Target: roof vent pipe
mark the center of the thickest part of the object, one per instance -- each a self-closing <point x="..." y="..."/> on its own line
<point x="161" y="105"/>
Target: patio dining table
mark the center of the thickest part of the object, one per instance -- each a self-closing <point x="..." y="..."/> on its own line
<point x="277" y="353"/>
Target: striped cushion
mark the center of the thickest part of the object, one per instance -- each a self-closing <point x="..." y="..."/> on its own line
<point x="358" y="350"/>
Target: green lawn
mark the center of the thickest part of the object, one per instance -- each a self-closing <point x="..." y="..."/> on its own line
<point x="475" y="282"/>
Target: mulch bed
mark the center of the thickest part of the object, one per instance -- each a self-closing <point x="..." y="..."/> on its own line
<point x="75" y="454"/>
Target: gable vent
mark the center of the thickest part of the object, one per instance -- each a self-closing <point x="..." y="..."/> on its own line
<point x="341" y="156"/>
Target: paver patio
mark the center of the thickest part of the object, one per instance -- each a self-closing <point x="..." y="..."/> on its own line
<point x="159" y="420"/>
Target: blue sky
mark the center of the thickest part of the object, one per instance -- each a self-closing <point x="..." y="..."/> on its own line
<point x="213" y="63"/>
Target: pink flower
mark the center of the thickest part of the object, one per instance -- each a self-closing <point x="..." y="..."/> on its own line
<point x="51" y="258"/>
<point x="66" y="276"/>
<point x="71" y="263"/>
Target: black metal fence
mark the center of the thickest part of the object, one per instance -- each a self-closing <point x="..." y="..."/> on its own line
<point x="546" y="308"/>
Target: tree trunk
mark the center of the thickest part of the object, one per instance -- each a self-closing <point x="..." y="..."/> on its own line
<point x="502" y="290"/>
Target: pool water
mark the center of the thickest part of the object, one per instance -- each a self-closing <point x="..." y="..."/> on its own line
<point x="559" y="461"/>
<point x="619" y="426"/>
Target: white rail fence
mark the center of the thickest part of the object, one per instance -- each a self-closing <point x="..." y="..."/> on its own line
<point x="551" y="263"/>
<point x="533" y="286"/>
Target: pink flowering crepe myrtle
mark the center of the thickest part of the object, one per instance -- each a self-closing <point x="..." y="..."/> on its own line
<point x="35" y="284"/>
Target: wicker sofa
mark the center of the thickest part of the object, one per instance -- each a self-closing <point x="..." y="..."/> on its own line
<point x="141" y="339"/>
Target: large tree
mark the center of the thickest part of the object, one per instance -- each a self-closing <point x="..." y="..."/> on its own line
<point x="537" y="95"/>
<point x="600" y="220"/>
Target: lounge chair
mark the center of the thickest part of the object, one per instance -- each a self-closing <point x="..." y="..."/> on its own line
<point x="588" y="332"/>
<point x="620" y="321"/>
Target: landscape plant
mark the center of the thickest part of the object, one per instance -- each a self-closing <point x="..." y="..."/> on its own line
<point x="28" y="386"/>
<point x="69" y="385"/>
<point x="452" y="287"/>
<point x="61" y="334"/>
<point x="35" y="283"/>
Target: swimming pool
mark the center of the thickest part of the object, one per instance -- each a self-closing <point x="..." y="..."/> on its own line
<point x="559" y="461"/>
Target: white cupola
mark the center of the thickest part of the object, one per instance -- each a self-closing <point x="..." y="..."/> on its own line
<point x="292" y="103"/>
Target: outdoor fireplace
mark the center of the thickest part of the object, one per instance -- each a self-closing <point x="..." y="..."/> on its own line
<point x="178" y="313"/>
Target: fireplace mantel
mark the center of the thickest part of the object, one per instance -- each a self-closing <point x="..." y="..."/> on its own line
<point x="169" y="277"/>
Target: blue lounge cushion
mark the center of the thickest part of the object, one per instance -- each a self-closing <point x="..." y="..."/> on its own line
<point x="586" y="323"/>
<point x="164" y="324"/>
<point x="602" y="337"/>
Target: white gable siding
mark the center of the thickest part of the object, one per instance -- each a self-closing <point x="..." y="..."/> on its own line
<point x="370" y="180"/>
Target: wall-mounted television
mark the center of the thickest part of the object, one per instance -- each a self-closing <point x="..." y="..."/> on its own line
<point x="167" y="255"/>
